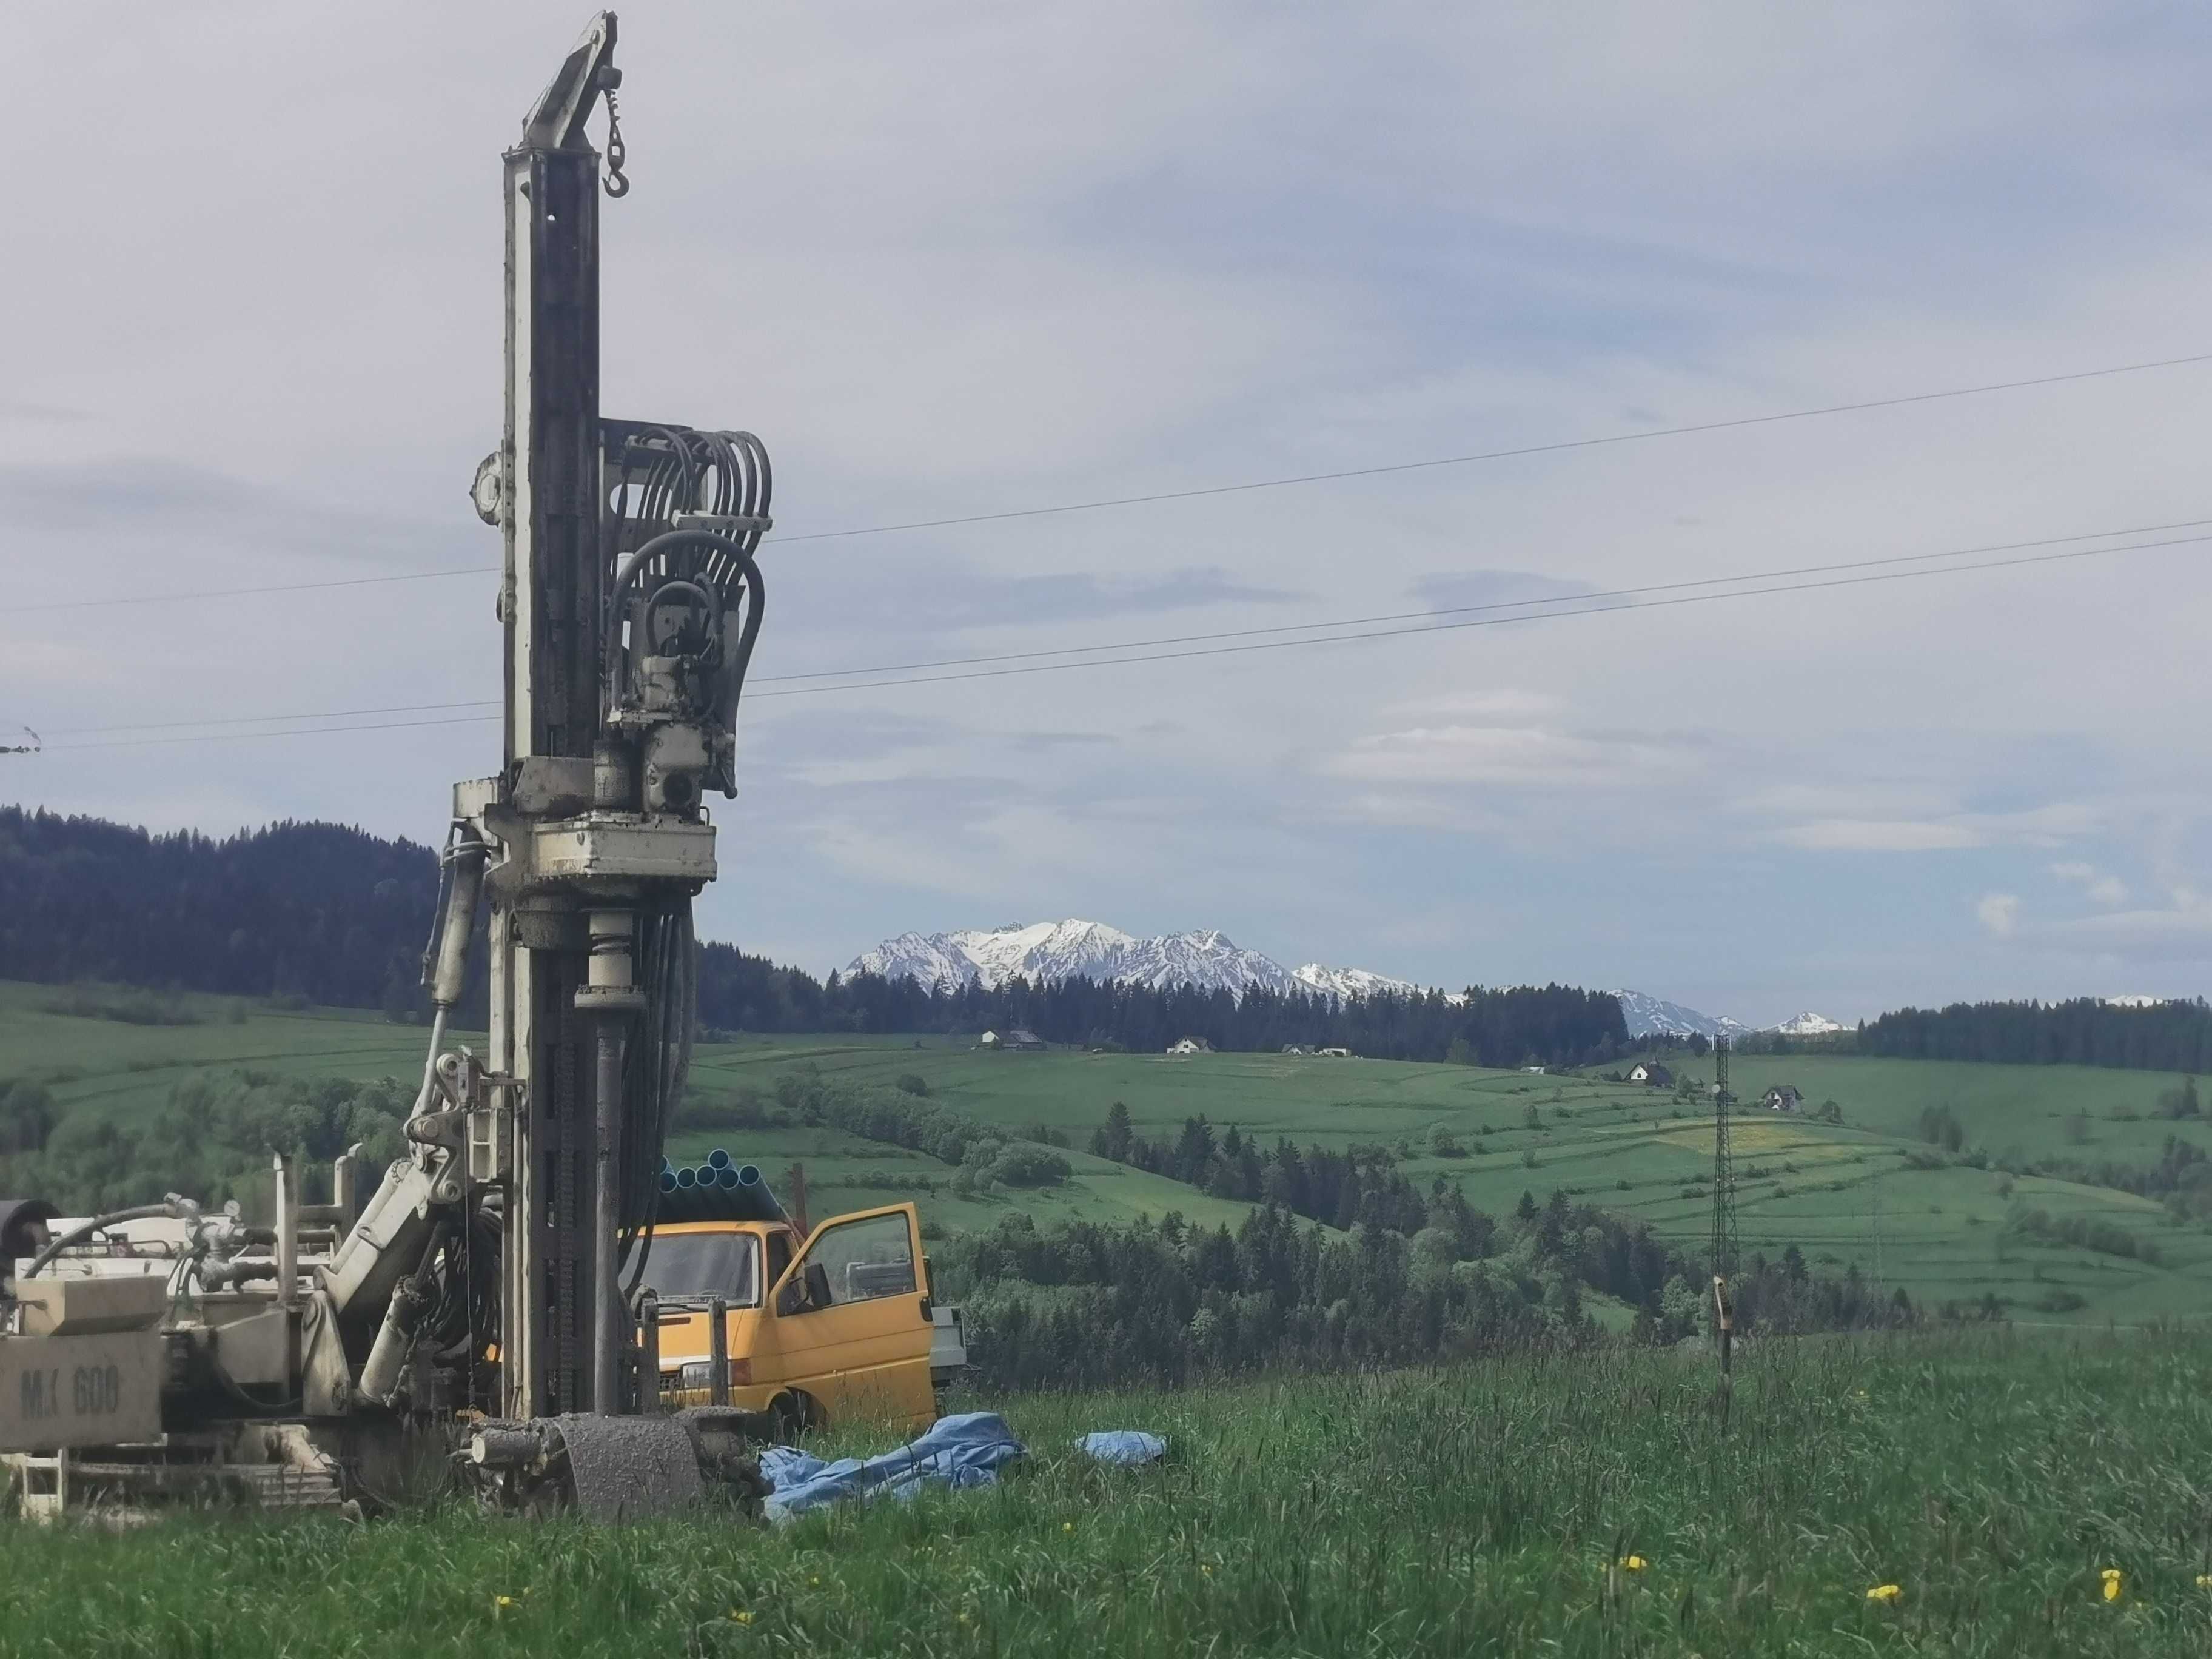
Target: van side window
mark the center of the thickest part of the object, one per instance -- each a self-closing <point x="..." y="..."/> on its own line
<point x="858" y="1260"/>
<point x="779" y="1255"/>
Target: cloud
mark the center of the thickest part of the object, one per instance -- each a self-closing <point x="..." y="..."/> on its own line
<point x="1879" y="835"/>
<point x="1999" y="912"/>
<point x="2097" y="885"/>
<point x="1522" y="756"/>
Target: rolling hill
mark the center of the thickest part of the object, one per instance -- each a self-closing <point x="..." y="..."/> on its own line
<point x="1942" y="1232"/>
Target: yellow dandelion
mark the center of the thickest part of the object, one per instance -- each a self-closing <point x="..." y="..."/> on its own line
<point x="815" y="1582"/>
<point x="1633" y="1564"/>
<point x="740" y="1616"/>
<point x="1067" y="1526"/>
<point x="1884" y="1594"/>
<point x="2114" y="1578"/>
<point x="1206" y="1568"/>
<point x="2205" y="1581"/>
<point x="961" y="1618"/>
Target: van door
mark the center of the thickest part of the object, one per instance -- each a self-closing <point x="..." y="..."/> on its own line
<point x="849" y="1320"/>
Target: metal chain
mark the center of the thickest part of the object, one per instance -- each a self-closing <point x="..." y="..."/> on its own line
<point x="617" y="152"/>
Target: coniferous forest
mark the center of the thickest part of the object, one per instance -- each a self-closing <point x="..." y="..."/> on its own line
<point x="330" y="914"/>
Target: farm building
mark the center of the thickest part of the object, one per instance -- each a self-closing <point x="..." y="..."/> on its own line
<point x="1017" y="1038"/>
<point x="1191" y="1046"/>
<point x="1652" y="1072"/>
<point x="1783" y="1097"/>
<point x="1334" y="1054"/>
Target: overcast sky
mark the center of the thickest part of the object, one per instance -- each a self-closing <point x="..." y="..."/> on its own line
<point x="950" y="259"/>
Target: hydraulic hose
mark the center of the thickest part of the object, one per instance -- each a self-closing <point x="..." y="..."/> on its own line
<point x="77" y="1235"/>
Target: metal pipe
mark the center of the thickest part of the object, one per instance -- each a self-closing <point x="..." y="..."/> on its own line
<point x="605" y="1288"/>
<point x="648" y="1363"/>
<point x="288" y="1231"/>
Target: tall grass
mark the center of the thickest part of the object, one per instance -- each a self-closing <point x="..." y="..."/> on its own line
<point x="1481" y="1510"/>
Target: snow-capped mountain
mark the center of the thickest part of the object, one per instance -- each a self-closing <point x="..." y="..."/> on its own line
<point x="2137" y="1001"/>
<point x="1349" y="981"/>
<point x="1045" y="952"/>
<point x="1650" y="1016"/>
<point x="1806" y="1024"/>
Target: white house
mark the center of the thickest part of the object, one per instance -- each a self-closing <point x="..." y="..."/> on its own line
<point x="1651" y="1072"/>
<point x="988" y="1040"/>
<point x="1191" y="1046"/>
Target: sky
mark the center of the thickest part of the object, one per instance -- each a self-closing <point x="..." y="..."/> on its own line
<point x="950" y="260"/>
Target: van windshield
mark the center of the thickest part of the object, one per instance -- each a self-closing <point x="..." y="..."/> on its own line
<point x="703" y="1265"/>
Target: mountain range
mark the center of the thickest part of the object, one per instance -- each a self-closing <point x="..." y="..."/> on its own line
<point x="1046" y="951"/>
<point x="1651" y="1015"/>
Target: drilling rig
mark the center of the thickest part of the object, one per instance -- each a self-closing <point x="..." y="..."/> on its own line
<point x="490" y="1281"/>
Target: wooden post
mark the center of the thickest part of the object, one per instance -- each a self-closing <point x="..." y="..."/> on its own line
<point x="798" y="1199"/>
<point x="718" y="1353"/>
<point x="648" y="1356"/>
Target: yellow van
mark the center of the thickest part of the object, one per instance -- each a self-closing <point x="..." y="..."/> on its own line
<point x="838" y="1325"/>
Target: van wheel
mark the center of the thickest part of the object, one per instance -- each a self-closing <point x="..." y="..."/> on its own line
<point x="795" y="1413"/>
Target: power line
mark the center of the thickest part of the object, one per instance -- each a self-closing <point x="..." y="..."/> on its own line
<point x="1499" y="604"/>
<point x="253" y="719"/>
<point x="1204" y="638"/>
<point x="277" y="587"/>
<point x="1560" y="447"/>
<point x="1490" y="621"/>
<point x="1676" y="598"/>
<point x="1510" y="454"/>
<point x="1562" y="599"/>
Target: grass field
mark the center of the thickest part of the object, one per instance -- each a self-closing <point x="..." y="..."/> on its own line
<point x="1993" y="1480"/>
<point x="1942" y="1233"/>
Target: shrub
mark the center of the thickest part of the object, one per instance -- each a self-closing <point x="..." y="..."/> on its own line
<point x="1021" y="1165"/>
<point x="912" y="1082"/>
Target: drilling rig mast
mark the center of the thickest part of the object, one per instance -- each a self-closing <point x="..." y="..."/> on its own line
<point x="494" y="1277"/>
<point x="630" y="602"/>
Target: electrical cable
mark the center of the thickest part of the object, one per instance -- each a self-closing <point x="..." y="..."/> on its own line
<point x="1227" y="634"/>
<point x="758" y="459"/>
<point x="1553" y="448"/>
<point x="1561" y="606"/>
<point x="1489" y="622"/>
<point x="1498" y="604"/>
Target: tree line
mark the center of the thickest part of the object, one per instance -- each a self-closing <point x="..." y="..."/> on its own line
<point x="1084" y="1306"/>
<point x="210" y="1139"/>
<point x="2166" y="1036"/>
<point x="317" y="912"/>
<point x="1549" y="1024"/>
<point x="325" y="914"/>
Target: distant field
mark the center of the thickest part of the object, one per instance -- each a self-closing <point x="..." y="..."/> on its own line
<point x="112" y="1068"/>
<point x="1941" y="1231"/>
<point x="1636" y="1152"/>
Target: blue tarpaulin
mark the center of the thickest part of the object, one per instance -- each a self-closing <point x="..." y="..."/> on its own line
<point x="1129" y="1446"/>
<point x="966" y="1451"/>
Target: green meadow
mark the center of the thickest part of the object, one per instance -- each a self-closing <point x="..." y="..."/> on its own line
<point x="2008" y="1495"/>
